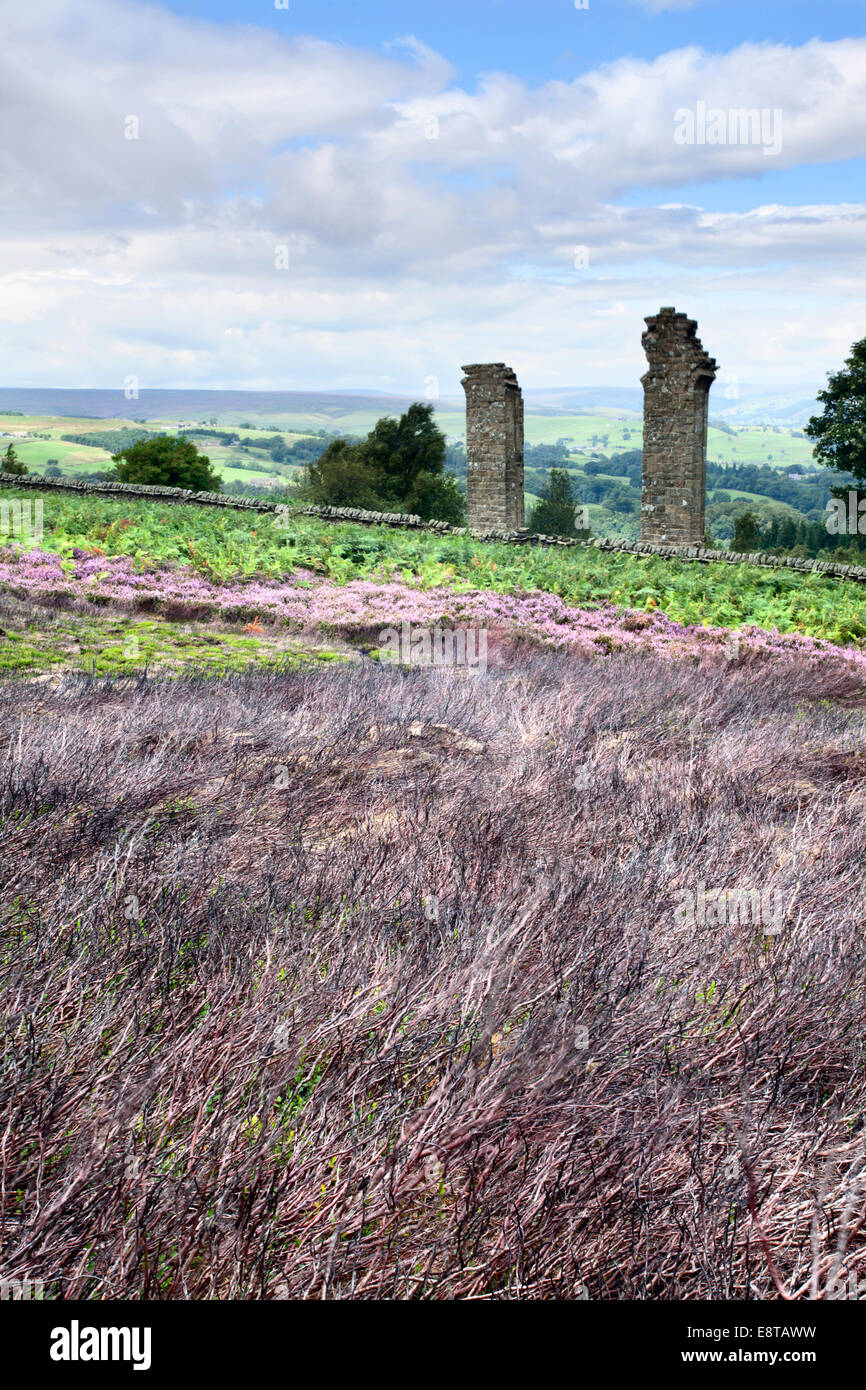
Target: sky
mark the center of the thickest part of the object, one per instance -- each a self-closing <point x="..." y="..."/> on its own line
<point x="366" y="196"/>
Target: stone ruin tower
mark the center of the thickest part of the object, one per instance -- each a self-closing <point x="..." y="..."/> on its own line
<point x="494" y="447"/>
<point x="676" y="401"/>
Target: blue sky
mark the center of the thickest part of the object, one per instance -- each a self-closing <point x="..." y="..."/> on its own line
<point x="543" y="39"/>
<point x="367" y="195"/>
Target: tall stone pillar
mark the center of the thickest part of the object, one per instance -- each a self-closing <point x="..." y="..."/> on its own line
<point x="494" y="447"/>
<point x="675" y="407"/>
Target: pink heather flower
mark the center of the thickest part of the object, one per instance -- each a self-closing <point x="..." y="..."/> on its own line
<point x="305" y="601"/>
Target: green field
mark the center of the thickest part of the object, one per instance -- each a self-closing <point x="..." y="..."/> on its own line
<point x="770" y="504"/>
<point x="587" y="434"/>
<point x="229" y="461"/>
<point x="616" y="434"/>
<point x="37" y="640"/>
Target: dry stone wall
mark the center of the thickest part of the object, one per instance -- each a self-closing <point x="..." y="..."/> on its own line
<point x="360" y="517"/>
<point x="697" y="553"/>
<point x="142" y="490"/>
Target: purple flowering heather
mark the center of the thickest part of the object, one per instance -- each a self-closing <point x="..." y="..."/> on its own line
<point x="304" y="601"/>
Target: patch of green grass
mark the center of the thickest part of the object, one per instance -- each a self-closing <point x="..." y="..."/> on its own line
<point x="111" y="646"/>
<point x="17" y="655"/>
<point x="757" y="499"/>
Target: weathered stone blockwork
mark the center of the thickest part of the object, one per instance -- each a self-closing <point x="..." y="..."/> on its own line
<point x="676" y="401"/>
<point x="494" y="447"/>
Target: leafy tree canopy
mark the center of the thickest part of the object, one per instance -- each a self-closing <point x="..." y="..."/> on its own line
<point x="11" y="463"/>
<point x="553" y="514"/>
<point x="399" y="467"/>
<point x="166" y="462"/>
<point x="747" y="534"/>
<point x="840" y="431"/>
<point x="403" y="448"/>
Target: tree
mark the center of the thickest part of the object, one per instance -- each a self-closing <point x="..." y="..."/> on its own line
<point x="747" y="534"/>
<point x="401" y="449"/>
<point x="166" y="462"/>
<point x="771" y="538"/>
<point x="341" y="479"/>
<point x="12" y="463"/>
<point x="840" y="431"/>
<point x="399" y="467"/>
<point x="787" y="537"/>
<point x="437" y="495"/>
<point x="553" y="513"/>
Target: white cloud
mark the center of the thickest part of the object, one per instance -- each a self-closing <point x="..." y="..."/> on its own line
<point x="425" y="224"/>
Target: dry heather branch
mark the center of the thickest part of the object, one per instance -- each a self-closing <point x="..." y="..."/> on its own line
<point x="370" y="984"/>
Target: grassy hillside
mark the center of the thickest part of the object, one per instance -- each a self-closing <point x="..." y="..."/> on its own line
<point x="618" y="433"/>
<point x="588" y="436"/>
<point x="614" y="433"/>
<point x="230" y="461"/>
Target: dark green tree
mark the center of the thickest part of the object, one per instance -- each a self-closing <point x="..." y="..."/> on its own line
<point x="341" y="479"/>
<point x="747" y="534"/>
<point x="11" y="463"/>
<point x="553" y="513"/>
<point x="437" y="495"/>
<point x="771" y="538"/>
<point x="401" y="449"/>
<point x="840" y="431"/>
<point x="164" y="461"/>
<point x="399" y="467"/>
<point x="787" y="536"/>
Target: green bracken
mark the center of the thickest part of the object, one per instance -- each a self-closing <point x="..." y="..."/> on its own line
<point x="233" y="546"/>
